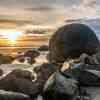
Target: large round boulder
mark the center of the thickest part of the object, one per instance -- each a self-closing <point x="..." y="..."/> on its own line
<point x="70" y="41"/>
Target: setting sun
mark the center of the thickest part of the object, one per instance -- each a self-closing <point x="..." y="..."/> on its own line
<point x="11" y="35"/>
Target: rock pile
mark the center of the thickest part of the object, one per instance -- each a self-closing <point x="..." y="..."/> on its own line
<point x="69" y="42"/>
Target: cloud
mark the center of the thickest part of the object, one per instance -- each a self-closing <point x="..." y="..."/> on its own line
<point x="48" y="11"/>
<point x="86" y="9"/>
<point x="89" y="3"/>
<point x="40" y="8"/>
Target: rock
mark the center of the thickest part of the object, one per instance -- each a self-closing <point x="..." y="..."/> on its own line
<point x="7" y="95"/>
<point x="59" y="87"/>
<point x="39" y="97"/>
<point x="19" y="82"/>
<point x="32" y="61"/>
<point x="86" y="59"/>
<point x="6" y="59"/>
<point x="9" y="81"/>
<point x="21" y="59"/>
<point x="44" y="71"/>
<point x="43" y="48"/>
<point x="1" y="72"/>
<point x="24" y="60"/>
<point x="96" y="58"/>
<point x="31" y="53"/>
<point x="27" y="87"/>
<point x="18" y="73"/>
<point x="70" y="41"/>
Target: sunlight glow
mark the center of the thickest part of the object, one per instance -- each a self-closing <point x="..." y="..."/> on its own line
<point x="11" y="35"/>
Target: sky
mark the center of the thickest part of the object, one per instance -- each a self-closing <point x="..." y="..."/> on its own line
<point x="48" y="12"/>
<point x="31" y="14"/>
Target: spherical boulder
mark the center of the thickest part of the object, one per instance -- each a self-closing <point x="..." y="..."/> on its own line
<point x="70" y="41"/>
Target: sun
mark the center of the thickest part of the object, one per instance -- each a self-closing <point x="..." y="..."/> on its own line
<point x="11" y="35"/>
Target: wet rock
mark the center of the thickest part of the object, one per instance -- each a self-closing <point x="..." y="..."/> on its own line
<point x="8" y="82"/>
<point x="59" y="87"/>
<point x="70" y="41"/>
<point x="44" y="71"/>
<point x="32" y="61"/>
<point x="39" y="97"/>
<point x="27" y="87"/>
<point x="6" y="59"/>
<point x="1" y="72"/>
<point x="20" y="82"/>
<point x="24" y="60"/>
<point x="43" y="48"/>
<point x="21" y="59"/>
<point x="7" y="95"/>
<point x="18" y="73"/>
<point x="31" y="53"/>
<point x="96" y="58"/>
<point x="86" y="59"/>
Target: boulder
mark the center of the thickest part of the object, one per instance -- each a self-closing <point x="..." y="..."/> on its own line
<point x="21" y="74"/>
<point x="70" y="41"/>
<point x="6" y="59"/>
<point x="8" y="95"/>
<point x="59" y="87"/>
<point x="1" y="72"/>
<point x="31" y="53"/>
<point x="44" y="71"/>
<point x="43" y="48"/>
<point x="19" y="84"/>
<point x="96" y="58"/>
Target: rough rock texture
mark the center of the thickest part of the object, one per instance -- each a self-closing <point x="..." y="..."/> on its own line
<point x="72" y="40"/>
